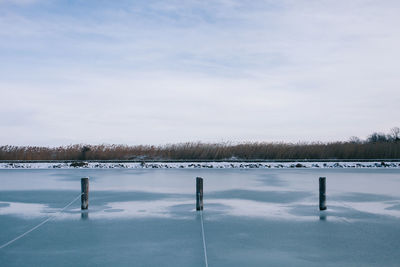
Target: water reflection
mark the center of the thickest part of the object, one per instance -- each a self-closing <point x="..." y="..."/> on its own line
<point x="84" y="215"/>
<point x="294" y="206"/>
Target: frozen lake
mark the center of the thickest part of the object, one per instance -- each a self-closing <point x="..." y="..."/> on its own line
<point x="252" y="217"/>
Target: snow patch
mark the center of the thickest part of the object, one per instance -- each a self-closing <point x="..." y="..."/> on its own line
<point x="198" y="165"/>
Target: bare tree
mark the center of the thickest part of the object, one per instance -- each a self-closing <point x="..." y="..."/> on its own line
<point x="355" y="140"/>
<point x="395" y="131"/>
<point x="377" y="138"/>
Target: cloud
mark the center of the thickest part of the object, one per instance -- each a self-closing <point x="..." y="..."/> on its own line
<point x="163" y="71"/>
<point x="19" y="2"/>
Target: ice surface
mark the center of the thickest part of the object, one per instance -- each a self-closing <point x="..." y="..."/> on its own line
<point x="252" y="217"/>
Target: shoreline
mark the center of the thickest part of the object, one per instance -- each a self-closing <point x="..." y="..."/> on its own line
<point x="198" y="165"/>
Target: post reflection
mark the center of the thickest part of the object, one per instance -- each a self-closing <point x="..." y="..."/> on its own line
<point x="84" y="215"/>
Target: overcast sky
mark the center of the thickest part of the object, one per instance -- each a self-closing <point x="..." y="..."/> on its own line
<point x="157" y="72"/>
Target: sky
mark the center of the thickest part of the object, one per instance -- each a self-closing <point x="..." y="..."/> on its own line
<point x="160" y="72"/>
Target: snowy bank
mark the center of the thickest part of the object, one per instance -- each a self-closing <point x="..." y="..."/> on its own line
<point x="196" y="165"/>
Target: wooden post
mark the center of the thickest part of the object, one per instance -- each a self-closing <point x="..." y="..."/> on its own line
<point x="199" y="193"/>
<point x="85" y="193"/>
<point x="322" y="193"/>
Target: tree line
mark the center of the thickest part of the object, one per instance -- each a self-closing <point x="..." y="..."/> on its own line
<point x="375" y="146"/>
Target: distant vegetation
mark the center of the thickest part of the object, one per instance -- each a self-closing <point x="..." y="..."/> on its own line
<point x="376" y="146"/>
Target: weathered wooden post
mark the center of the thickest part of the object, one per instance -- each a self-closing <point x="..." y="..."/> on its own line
<point x="85" y="193"/>
<point x="199" y="193"/>
<point x="322" y="193"/>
